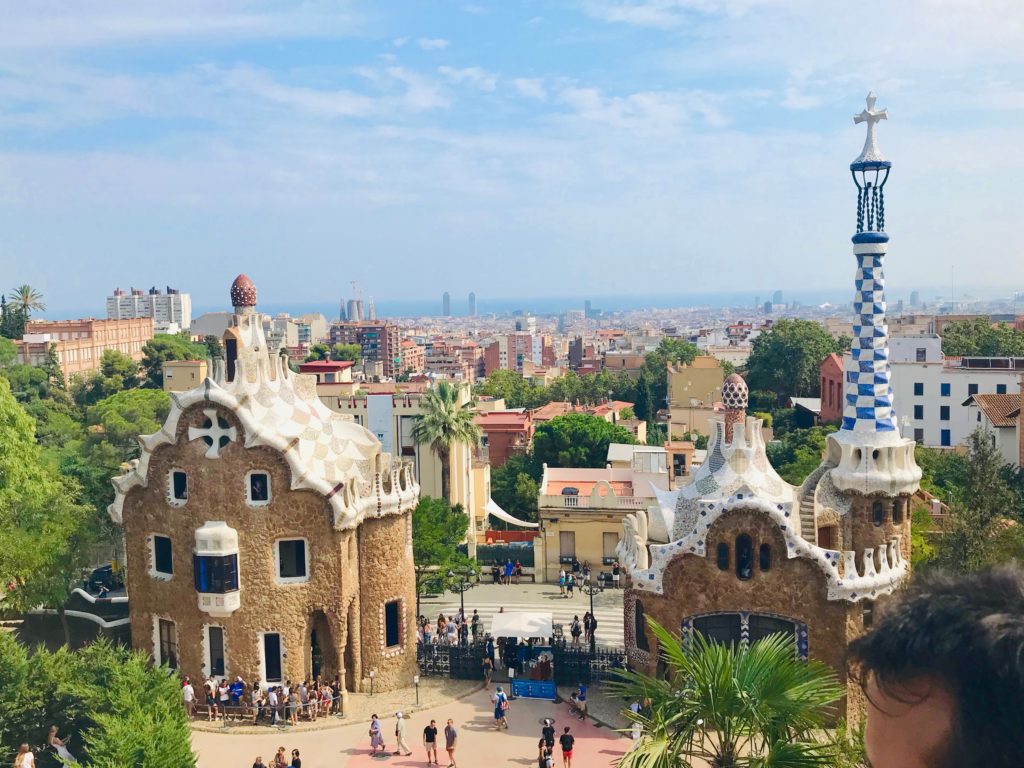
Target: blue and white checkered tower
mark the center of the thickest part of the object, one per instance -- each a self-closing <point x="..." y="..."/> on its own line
<point x="870" y="454"/>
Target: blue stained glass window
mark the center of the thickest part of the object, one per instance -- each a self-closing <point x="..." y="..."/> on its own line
<point x="215" y="574"/>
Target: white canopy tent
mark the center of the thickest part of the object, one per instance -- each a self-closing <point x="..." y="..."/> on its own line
<point x="521" y="624"/>
<point x="492" y="508"/>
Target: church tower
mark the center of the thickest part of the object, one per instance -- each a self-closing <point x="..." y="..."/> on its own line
<point x="871" y="463"/>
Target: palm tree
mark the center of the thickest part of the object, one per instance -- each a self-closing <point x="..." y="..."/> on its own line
<point x="443" y="423"/>
<point x="27" y="299"/>
<point x="748" y="707"/>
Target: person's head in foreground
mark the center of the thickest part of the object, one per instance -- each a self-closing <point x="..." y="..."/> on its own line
<point x="943" y="672"/>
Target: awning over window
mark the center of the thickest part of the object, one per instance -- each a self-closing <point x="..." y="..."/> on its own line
<point x="492" y="508"/>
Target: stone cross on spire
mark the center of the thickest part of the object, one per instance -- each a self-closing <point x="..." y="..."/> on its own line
<point x="871" y="116"/>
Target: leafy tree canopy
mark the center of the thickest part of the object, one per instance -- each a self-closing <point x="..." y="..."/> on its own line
<point x="798" y="452"/>
<point x="351" y="352"/>
<point x="577" y="440"/>
<point x="977" y="336"/>
<point x="117" y="372"/>
<point x="119" y="708"/>
<point x="786" y="359"/>
<point x="515" y="485"/>
<point x="122" y="417"/>
<point x="318" y="352"/>
<point x="164" y="347"/>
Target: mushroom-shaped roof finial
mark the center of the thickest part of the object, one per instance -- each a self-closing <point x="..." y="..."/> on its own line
<point x="243" y="292"/>
<point x="734" y="392"/>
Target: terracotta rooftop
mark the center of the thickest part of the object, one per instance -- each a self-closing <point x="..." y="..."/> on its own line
<point x="1001" y="410"/>
<point x="325" y="365"/>
<point x="502" y="418"/>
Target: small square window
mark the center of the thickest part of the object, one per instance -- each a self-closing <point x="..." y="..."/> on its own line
<point x="944" y="438"/>
<point x="921" y="355"/>
<point x="163" y="562"/>
<point x="972" y="389"/>
<point x="918" y="411"/>
<point x="292" y="561"/>
<point x="943" y="413"/>
<point x="918" y="389"/>
<point x="179" y="486"/>
<point x="944" y="389"/>
<point x="1000" y="389"/>
<point x="258" y="488"/>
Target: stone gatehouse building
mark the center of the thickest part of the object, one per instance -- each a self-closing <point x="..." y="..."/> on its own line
<point x="265" y="535"/>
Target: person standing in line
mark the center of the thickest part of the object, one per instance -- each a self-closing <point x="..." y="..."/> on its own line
<point x="430" y="742"/>
<point x="224" y="698"/>
<point x="401" y="748"/>
<point x="566" y="740"/>
<point x="574" y="629"/>
<point x="24" y="758"/>
<point x="211" y="698"/>
<point x="272" y="704"/>
<point x="376" y="735"/>
<point x="451" y="737"/>
<point x="188" y="695"/>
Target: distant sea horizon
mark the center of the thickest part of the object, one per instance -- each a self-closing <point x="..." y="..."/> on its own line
<point x="552" y="305"/>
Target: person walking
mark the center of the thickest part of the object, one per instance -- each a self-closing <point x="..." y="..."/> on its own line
<point x="548" y="733"/>
<point x="561" y="581"/>
<point x="188" y="695"/>
<point x="376" y="735"/>
<point x="566" y="741"/>
<point x="500" y="709"/>
<point x="488" y="668"/>
<point x="451" y="737"/>
<point x="570" y="582"/>
<point x="401" y="748"/>
<point x="430" y="742"/>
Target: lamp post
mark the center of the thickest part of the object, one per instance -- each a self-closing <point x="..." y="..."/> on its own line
<point x="373" y="674"/>
<point x="461" y="586"/>
<point x="416" y="682"/>
<point x="590" y="590"/>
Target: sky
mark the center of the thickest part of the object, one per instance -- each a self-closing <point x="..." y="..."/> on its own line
<point x="514" y="148"/>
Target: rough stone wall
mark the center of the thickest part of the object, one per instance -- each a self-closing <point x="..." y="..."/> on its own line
<point x="386" y="573"/>
<point x="217" y="492"/>
<point x="794" y="589"/>
<point x="859" y="531"/>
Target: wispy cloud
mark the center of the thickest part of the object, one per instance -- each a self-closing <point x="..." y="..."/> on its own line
<point x="432" y="43"/>
<point x="531" y="88"/>
<point x="474" y="76"/>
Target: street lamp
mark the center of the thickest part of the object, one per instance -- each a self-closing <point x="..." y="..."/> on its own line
<point x="373" y="674"/>
<point x="590" y="590"/>
<point x="461" y="586"/>
<point x="416" y="682"/>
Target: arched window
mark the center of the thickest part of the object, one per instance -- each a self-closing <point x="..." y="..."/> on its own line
<point x="764" y="557"/>
<point x="744" y="557"/>
<point x="640" y="627"/>
<point x="877" y="513"/>
<point x="897" y="511"/>
<point x="723" y="557"/>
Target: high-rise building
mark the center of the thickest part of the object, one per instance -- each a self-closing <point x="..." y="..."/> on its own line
<point x="446" y="304"/>
<point x="588" y="309"/>
<point x="378" y="340"/>
<point x="172" y="308"/>
<point x="915" y="298"/>
<point x="354" y="311"/>
<point x="777" y="297"/>
<point x="472" y="304"/>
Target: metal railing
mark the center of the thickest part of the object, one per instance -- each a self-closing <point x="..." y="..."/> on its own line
<point x="572" y="664"/>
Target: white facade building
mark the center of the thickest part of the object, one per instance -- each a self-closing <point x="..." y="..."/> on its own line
<point x="166" y="309"/>
<point x="932" y="391"/>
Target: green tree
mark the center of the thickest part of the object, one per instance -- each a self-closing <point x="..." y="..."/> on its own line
<point x="8" y="353"/>
<point x="117" y="372"/>
<point x="351" y="352"/>
<point x="122" y="710"/>
<point x="318" y="352"/>
<point x="122" y="417"/>
<point x="164" y="347"/>
<point x="977" y="336"/>
<point x="54" y="373"/>
<point x="12" y="320"/>
<point x="786" y="359"/>
<point x="644" y="405"/>
<point x="437" y="531"/>
<point x="27" y="299"/>
<point x="979" y="530"/>
<point x="798" y="452"/>
<point x="515" y="485"/>
<point x="445" y="422"/>
<point x="577" y="440"/>
<point x="214" y="347"/>
<point x="756" y="706"/>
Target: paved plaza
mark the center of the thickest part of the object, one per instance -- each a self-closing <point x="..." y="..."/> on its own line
<point x="347" y="745"/>
<point x="489" y="598"/>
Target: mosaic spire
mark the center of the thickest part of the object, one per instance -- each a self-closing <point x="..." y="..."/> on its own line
<point x="868" y="404"/>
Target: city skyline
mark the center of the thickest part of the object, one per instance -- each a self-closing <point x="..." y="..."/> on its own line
<point x="596" y="144"/>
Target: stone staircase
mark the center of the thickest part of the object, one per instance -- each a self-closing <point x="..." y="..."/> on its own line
<point x="808" y="530"/>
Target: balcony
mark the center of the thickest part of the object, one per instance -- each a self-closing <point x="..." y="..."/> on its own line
<point x="549" y="501"/>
